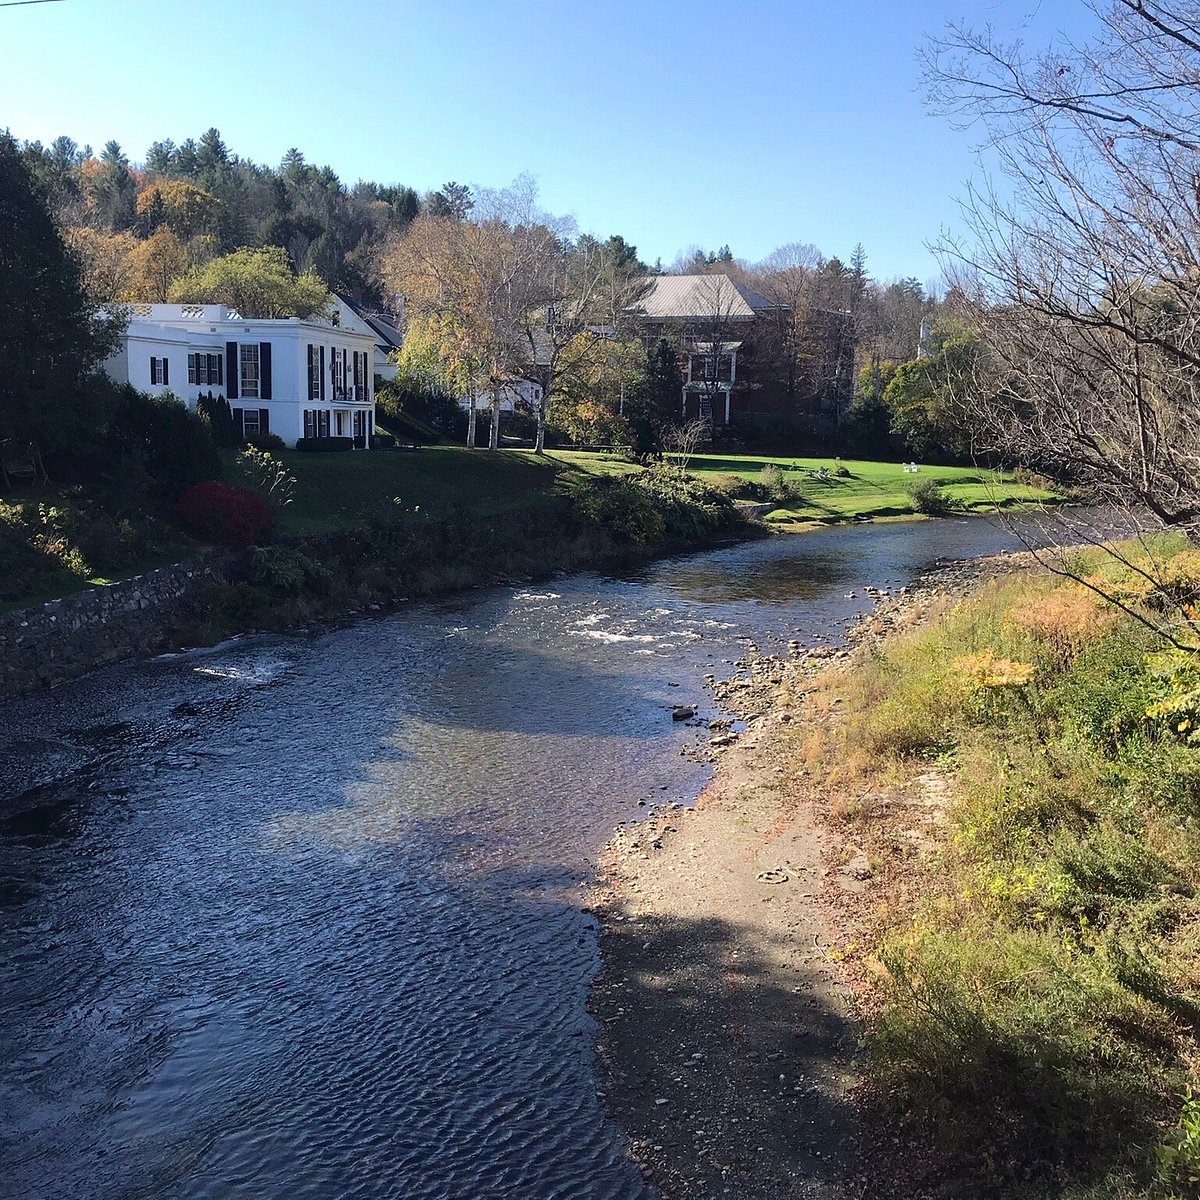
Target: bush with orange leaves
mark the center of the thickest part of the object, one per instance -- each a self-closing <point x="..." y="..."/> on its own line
<point x="1064" y="622"/>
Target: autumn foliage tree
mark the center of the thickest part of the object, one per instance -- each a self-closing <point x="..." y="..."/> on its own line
<point x="183" y="207"/>
<point x="257" y="283"/>
<point x="473" y="283"/>
<point x="154" y="266"/>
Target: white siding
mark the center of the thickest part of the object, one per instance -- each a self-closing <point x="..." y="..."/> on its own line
<point x="172" y="332"/>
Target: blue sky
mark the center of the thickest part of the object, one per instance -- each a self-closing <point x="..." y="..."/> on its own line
<point x="672" y="122"/>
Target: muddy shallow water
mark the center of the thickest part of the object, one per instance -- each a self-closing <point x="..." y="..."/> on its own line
<point x="300" y="916"/>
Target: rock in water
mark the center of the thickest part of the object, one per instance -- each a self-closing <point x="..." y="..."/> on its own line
<point x="682" y="712"/>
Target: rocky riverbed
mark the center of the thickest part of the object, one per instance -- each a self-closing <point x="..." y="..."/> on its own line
<point x="727" y="1018"/>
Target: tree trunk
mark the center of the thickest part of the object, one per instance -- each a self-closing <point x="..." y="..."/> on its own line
<point x="471" y="425"/>
<point x="540" y="447"/>
<point x="494" y="437"/>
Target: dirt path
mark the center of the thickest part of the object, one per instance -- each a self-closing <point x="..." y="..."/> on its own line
<point x="727" y="1029"/>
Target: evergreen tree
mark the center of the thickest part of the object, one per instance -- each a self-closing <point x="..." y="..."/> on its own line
<point x="51" y="336"/>
<point x="653" y="402"/>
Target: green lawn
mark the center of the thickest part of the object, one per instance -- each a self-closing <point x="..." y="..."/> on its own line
<point x="335" y="490"/>
<point x="872" y="489"/>
<point x="350" y="489"/>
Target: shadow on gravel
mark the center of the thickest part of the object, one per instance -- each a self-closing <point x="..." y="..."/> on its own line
<point x="728" y="1081"/>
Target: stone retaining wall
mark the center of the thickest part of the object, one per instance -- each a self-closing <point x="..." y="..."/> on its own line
<point x="68" y="637"/>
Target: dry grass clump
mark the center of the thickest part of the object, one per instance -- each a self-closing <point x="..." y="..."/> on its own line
<point x="1065" y="621"/>
<point x="1036" y="1008"/>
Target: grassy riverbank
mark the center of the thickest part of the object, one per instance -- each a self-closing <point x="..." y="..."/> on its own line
<point x="809" y="491"/>
<point x="1021" y="779"/>
<point x="335" y="491"/>
<point x="984" y="820"/>
<point x="56" y="540"/>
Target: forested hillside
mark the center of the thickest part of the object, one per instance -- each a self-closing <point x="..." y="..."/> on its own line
<point x="141" y="226"/>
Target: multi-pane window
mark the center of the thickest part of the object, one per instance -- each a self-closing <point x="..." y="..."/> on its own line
<point x="310" y="423"/>
<point x="339" y="374"/>
<point x="248" y="357"/>
<point x="204" y="369"/>
<point x="314" y="373"/>
<point x="159" y="371"/>
<point x="250" y="425"/>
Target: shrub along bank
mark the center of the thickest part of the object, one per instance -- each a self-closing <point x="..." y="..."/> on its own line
<point x="413" y="553"/>
<point x="1031" y="951"/>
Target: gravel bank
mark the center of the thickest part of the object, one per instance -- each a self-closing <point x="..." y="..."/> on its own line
<point x="728" y="1036"/>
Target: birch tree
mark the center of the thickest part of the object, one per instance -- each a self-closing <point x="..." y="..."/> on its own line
<point x="583" y="295"/>
<point x="478" y="278"/>
<point x="1085" y="270"/>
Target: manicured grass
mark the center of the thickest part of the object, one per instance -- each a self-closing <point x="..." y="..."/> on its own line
<point x="872" y="489"/>
<point x="336" y="490"/>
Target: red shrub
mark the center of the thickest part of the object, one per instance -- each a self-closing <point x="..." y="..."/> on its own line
<point x="225" y="513"/>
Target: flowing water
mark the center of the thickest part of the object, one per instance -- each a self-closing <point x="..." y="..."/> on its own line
<point x="300" y="916"/>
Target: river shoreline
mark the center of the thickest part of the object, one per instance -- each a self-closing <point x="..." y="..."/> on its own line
<point x="219" y="595"/>
<point x="728" y="1033"/>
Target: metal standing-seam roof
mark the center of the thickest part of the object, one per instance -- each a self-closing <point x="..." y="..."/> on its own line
<point x="684" y="297"/>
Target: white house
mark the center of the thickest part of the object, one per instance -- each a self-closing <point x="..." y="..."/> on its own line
<point x="311" y="377"/>
<point x="518" y="395"/>
<point x="380" y="326"/>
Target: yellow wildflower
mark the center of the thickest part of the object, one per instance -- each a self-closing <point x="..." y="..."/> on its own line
<point x="986" y="670"/>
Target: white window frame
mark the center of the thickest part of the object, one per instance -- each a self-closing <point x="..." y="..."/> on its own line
<point x="251" y="416"/>
<point x="338" y="356"/>
<point x="249" y="380"/>
<point x="314" y="375"/>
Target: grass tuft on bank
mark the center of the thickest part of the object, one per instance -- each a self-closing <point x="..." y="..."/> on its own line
<point x="1033" y="947"/>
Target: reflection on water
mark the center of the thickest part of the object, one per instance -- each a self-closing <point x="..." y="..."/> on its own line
<point x="774" y="581"/>
<point x="300" y="917"/>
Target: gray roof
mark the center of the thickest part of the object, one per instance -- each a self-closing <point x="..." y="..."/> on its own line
<point x="388" y="333"/>
<point x="693" y="297"/>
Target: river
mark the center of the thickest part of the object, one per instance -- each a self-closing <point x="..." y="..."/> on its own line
<point x="301" y="916"/>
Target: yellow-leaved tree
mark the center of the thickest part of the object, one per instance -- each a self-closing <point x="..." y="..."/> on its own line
<point x="257" y="283"/>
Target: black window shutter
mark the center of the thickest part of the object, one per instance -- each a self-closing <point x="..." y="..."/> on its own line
<point x="264" y="420"/>
<point x="231" y="369"/>
<point x="239" y="425"/>
<point x="322" y="372"/>
<point x="166" y="363"/>
<point x="220" y="375"/>
<point x="310" y="379"/>
<point x="264" y="370"/>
